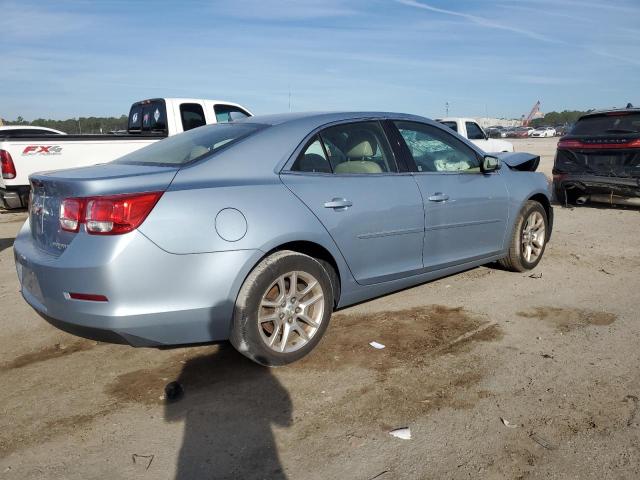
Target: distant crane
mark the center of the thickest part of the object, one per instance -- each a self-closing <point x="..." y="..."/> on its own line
<point x="534" y="111"/>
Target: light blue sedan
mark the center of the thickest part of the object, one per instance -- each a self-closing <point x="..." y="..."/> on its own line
<point x="256" y="231"/>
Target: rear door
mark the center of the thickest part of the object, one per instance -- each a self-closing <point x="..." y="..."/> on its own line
<point x="465" y="210"/>
<point x="348" y="177"/>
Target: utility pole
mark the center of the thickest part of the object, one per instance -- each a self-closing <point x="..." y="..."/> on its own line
<point x="289" y="97"/>
<point x="446" y="107"/>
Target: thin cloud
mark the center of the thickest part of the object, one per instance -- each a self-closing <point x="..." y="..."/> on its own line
<point x="481" y="21"/>
<point x="544" y="80"/>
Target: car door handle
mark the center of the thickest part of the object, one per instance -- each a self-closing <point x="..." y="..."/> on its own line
<point x="338" y="203"/>
<point x="439" y="197"/>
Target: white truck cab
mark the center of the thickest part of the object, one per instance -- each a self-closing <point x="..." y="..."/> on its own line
<point x="469" y="129"/>
<point x="149" y="121"/>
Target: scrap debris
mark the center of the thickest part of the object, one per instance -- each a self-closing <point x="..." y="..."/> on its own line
<point x="536" y="275"/>
<point x="404" y="433"/>
<point x="541" y="441"/>
<point x="173" y="391"/>
<point x="148" y="458"/>
<point x="507" y="423"/>
<point x="376" y="345"/>
<point x="632" y="399"/>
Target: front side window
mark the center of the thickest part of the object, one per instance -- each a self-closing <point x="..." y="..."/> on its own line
<point x="358" y="148"/>
<point x="229" y="113"/>
<point x="474" y="132"/>
<point x="192" y="116"/>
<point x="434" y="150"/>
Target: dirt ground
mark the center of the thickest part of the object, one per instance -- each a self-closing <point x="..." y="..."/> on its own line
<point x="553" y="352"/>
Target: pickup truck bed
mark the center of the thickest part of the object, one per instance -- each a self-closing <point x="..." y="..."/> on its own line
<point x="149" y="121"/>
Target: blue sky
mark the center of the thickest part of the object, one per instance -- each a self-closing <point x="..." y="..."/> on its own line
<point x="88" y="57"/>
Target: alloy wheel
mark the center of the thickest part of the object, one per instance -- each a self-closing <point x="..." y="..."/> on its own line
<point x="291" y="311"/>
<point x="533" y="237"/>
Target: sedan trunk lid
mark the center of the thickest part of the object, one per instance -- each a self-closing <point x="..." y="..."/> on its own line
<point x="49" y="189"/>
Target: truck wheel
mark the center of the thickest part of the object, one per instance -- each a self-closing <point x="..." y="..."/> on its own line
<point x="529" y="238"/>
<point x="283" y="309"/>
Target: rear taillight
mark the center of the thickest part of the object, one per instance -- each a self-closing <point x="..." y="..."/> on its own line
<point x="578" y="144"/>
<point x="108" y="215"/>
<point x="71" y="214"/>
<point x="6" y="163"/>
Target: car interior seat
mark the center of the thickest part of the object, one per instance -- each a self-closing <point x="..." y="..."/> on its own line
<point x="361" y="146"/>
<point x="312" y="162"/>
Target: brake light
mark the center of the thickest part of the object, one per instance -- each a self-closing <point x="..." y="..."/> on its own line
<point x="573" y="144"/>
<point x="7" y="166"/>
<point x="107" y="215"/>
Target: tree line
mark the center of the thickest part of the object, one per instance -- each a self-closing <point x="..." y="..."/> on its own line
<point x="87" y="125"/>
<point x="558" y="118"/>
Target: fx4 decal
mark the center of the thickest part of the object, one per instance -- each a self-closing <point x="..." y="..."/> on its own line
<point x="42" y="150"/>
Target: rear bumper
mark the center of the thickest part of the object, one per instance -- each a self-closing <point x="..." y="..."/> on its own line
<point x="154" y="298"/>
<point x="575" y="185"/>
<point x="14" y="197"/>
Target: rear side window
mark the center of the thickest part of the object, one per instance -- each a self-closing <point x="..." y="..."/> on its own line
<point x="192" y="116"/>
<point x="191" y="146"/>
<point x="452" y="125"/>
<point x="358" y="148"/>
<point x="312" y="159"/>
<point x="229" y="113"/>
<point x="474" y="132"/>
<point x="608" y="123"/>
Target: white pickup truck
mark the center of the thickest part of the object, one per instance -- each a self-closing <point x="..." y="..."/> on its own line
<point x="469" y="129"/>
<point x="149" y="121"/>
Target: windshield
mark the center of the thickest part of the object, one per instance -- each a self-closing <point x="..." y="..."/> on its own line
<point x="608" y="123"/>
<point x="192" y="145"/>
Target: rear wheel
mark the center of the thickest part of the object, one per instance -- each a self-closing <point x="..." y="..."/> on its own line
<point x="529" y="238"/>
<point x="283" y="309"/>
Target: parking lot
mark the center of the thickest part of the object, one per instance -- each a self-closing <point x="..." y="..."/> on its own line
<point x="497" y="375"/>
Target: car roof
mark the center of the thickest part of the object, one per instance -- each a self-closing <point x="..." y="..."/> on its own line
<point x="322" y="118"/>
<point x="610" y="110"/>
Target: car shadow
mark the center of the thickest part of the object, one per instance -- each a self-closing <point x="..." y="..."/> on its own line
<point x="6" y="243"/>
<point x="229" y="407"/>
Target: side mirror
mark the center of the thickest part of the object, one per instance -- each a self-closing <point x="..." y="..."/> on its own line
<point x="490" y="164"/>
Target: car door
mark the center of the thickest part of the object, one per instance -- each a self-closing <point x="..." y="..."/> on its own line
<point x="465" y="210"/>
<point x="348" y="177"/>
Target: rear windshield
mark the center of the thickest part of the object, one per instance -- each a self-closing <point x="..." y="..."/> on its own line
<point x="192" y="145"/>
<point x="149" y="117"/>
<point x="608" y="123"/>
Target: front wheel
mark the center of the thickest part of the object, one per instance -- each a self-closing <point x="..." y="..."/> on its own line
<point x="283" y="309"/>
<point x="529" y="238"/>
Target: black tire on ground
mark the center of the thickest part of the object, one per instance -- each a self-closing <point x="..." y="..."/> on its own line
<point x="245" y="335"/>
<point x="515" y="260"/>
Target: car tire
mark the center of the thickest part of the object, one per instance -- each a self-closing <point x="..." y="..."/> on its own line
<point x="268" y="308"/>
<point x="528" y="239"/>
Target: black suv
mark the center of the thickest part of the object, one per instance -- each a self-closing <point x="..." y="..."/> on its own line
<point x="599" y="160"/>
